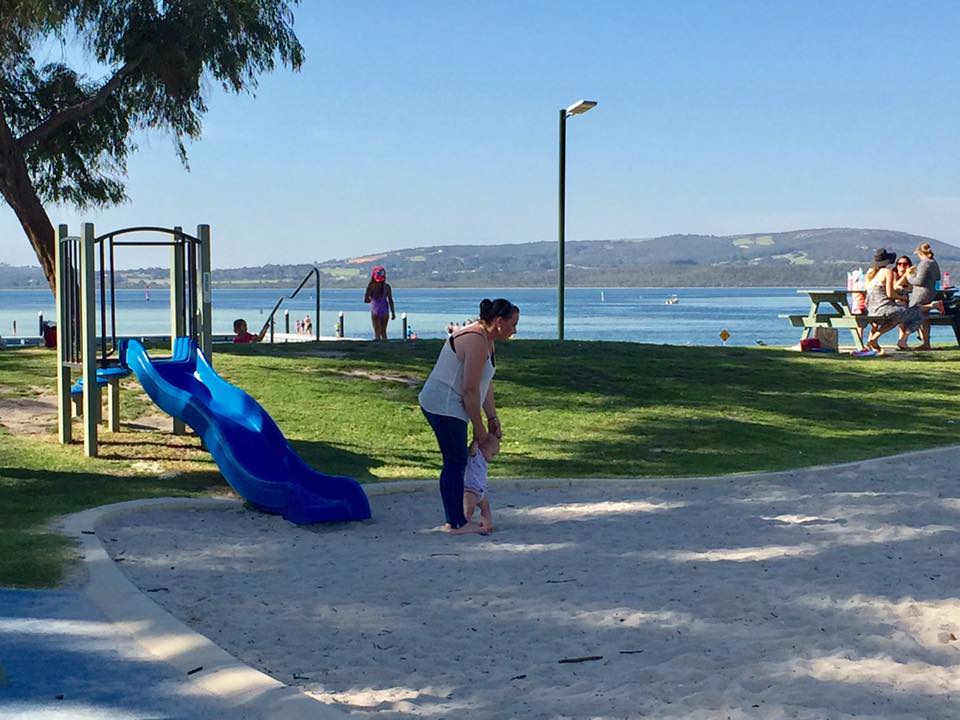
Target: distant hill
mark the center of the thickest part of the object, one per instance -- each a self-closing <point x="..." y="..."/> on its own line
<point x="19" y="276"/>
<point x="801" y="257"/>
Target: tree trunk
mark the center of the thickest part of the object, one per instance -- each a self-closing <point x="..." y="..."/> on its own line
<point x="18" y="191"/>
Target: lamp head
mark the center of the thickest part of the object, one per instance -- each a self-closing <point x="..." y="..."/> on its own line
<point x="580" y="107"/>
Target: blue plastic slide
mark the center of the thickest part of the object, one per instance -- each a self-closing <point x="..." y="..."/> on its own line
<point x="252" y="453"/>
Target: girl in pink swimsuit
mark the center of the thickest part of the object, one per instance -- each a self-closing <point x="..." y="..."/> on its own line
<point x="380" y="297"/>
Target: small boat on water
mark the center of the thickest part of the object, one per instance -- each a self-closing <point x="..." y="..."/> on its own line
<point x="672" y="300"/>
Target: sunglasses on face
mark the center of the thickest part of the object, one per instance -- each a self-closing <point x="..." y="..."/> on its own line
<point x="903" y="264"/>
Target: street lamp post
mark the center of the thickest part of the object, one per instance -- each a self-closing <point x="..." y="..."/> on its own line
<point x="578" y="108"/>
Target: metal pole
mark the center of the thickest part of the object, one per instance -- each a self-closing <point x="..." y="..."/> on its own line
<point x="64" y="344"/>
<point x="177" y="324"/>
<point x="286" y="321"/>
<point x="316" y="320"/>
<point x="340" y="324"/>
<point x="561" y="262"/>
<point x="403" y="317"/>
<point x="88" y="334"/>
<point x="206" y="294"/>
<point x="178" y="327"/>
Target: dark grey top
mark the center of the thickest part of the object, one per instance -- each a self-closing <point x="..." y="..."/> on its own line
<point x="924" y="282"/>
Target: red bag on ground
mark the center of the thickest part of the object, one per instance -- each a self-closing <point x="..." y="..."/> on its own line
<point x="809" y="344"/>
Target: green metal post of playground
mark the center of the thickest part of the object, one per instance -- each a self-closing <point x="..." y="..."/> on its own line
<point x="205" y="324"/>
<point x="64" y="281"/>
<point x="177" y="302"/>
<point x="88" y="340"/>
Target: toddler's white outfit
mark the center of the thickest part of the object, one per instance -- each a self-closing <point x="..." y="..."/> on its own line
<point x="475" y="476"/>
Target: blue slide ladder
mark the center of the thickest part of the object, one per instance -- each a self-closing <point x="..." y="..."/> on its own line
<point x="247" y="445"/>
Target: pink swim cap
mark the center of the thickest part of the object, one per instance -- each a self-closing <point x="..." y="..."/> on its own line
<point x="379" y="273"/>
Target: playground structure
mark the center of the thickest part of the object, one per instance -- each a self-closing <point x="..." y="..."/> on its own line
<point x="85" y="266"/>
<point x="248" y="447"/>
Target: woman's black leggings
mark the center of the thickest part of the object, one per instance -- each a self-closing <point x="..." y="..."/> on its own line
<point x="451" y="435"/>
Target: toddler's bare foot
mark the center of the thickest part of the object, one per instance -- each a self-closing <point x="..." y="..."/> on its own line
<point x="471" y="528"/>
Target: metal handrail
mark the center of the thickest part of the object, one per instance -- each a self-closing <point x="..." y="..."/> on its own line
<point x="316" y="273"/>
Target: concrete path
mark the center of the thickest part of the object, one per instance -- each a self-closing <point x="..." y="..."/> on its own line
<point x="61" y="657"/>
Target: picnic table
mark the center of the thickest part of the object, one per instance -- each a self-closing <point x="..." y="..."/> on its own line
<point x="831" y="309"/>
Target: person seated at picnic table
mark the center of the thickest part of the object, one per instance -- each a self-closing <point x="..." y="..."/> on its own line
<point x="881" y="303"/>
<point x="901" y="277"/>
<point x="901" y="288"/>
<point x="243" y="335"/>
<point x="923" y="279"/>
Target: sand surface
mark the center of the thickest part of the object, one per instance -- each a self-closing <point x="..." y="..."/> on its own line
<point x="823" y="594"/>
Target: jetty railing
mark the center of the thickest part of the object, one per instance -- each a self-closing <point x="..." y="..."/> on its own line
<point x="316" y="323"/>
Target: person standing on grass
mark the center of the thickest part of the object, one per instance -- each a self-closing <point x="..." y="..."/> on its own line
<point x="458" y="393"/>
<point x="379" y="295"/>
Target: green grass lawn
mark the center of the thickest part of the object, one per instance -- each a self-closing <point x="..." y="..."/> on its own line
<point x="573" y="409"/>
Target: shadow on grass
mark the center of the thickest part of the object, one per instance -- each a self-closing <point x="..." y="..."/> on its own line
<point x="68" y="488"/>
<point x="333" y="459"/>
<point x="720" y="446"/>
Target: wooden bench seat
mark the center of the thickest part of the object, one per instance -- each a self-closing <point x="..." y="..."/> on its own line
<point x="830" y="320"/>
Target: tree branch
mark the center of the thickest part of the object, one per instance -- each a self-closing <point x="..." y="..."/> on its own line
<point x="79" y="111"/>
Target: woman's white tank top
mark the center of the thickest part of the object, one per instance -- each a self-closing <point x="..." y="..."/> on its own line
<point x="442" y="392"/>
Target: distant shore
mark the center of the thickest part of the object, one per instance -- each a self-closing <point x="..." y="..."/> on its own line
<point x="485" y="288"/>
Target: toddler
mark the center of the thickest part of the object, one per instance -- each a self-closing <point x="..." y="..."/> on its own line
<point x="244" y="335"/>
<point x="475" y="480"/>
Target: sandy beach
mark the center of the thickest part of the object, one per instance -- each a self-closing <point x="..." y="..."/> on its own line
<point x="826" y="593"/>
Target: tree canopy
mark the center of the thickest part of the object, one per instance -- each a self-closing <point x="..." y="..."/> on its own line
<point x="65" y="138"/>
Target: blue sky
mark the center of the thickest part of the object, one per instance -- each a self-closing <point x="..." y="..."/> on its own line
<point x="434" y="123"/>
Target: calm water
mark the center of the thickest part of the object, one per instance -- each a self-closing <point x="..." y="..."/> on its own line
<point x="632" y="314"/>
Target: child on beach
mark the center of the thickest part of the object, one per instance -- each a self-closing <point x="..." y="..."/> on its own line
<point x="475" y="480"/>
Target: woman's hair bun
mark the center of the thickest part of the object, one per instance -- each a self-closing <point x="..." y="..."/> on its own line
<point x="486" y="305"/>
<point x="501" y="307"/>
